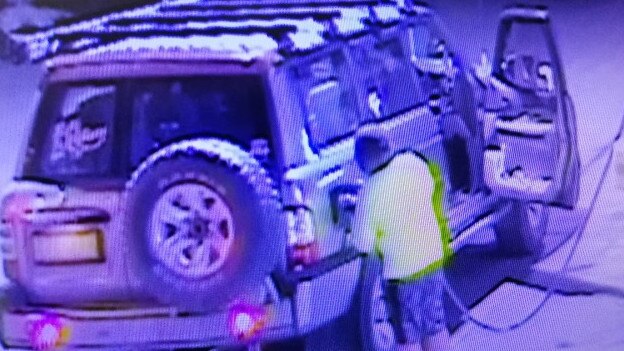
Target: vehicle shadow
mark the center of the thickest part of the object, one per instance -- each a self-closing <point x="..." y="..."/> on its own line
<point x="478" y="270"/>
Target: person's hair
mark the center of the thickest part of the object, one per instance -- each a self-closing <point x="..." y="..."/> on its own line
<point x="373" y="149"/>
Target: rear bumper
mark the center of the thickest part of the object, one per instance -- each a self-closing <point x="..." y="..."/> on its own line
<point x="318" y="299"/>
<point x="134" y="329"/>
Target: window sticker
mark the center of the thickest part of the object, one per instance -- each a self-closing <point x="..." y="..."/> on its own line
<point x="74" y="139"/>
<point x="76" y="98"/>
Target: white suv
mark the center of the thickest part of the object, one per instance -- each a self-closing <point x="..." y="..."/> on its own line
<point x="190" y="182"/>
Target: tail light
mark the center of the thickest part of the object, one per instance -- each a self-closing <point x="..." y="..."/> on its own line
<point x="300" y="226"/>
<point x="303" y="247"/>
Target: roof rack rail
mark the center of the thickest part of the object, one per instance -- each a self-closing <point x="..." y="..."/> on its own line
<point x="238" y="4"/>
<point x="296" y="25"/>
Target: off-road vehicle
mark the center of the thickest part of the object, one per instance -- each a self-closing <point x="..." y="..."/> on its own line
<point x="189" y="180"/>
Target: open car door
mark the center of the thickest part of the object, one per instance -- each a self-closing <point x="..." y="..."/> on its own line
<point x="528" y="116"/>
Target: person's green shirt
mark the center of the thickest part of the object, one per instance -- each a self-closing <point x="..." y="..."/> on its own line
<point x="400" y="218"/>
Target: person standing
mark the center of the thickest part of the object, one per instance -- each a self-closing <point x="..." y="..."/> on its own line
<point x="399" y="218"/>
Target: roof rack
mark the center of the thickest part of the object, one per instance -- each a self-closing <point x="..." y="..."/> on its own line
<point x="293" y="25"/>
<point x="265" y="4"/>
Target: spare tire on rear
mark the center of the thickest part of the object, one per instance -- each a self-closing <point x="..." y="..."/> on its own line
<point x="204" y="225"/>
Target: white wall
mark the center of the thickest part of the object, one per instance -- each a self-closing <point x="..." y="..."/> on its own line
<point x="17" y="89"/>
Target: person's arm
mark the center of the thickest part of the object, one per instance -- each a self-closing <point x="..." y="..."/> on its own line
<point x="437" y="200"/>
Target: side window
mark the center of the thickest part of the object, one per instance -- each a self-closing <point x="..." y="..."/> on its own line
<point x="432" y="58"/>
<point x="166" y="110"/>
<point x="392" y="86"/>
<point x="526" y="61"/>
<point x="424" y="43"/>
<point x="331" y="106"/>
<point x="420" y="39"/>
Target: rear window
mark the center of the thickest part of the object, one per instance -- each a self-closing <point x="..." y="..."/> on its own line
<point x="232" y="108"/>
<point x="107" y="129"/>
<point x="330" y="102"/>
<point x="74" y="132"/>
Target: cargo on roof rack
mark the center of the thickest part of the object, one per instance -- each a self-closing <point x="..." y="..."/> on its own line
<point x="294" y="26"/>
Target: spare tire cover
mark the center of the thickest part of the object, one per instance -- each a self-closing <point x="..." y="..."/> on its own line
<point x="204" y="225"/>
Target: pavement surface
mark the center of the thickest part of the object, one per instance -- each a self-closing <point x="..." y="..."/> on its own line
<point x="566" y="322"/>
<point x="586" y="308"/>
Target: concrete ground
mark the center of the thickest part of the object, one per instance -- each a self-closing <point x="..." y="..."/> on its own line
<point x="567" y="322"/>
<point x="586" y="310"/>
